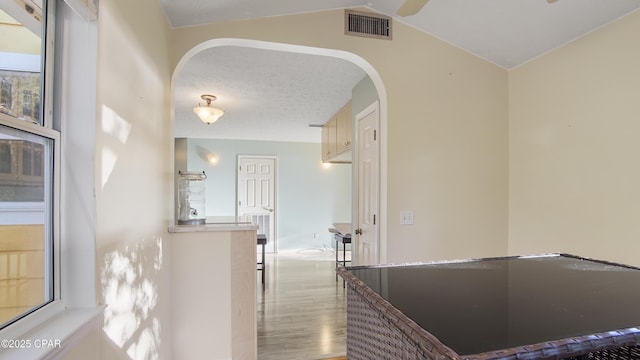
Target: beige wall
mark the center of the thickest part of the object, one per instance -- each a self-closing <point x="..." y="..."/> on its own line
<point x="133" y="177"/>
<point x="574" y="125"/>
<point x="447" y="130"/>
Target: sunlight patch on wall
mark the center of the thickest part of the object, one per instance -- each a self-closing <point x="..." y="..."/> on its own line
<point x="114" y="124"/>
<point x="109" y="159"/>
<point x="148" y="340"/>
<point x="119" y="129"/>
<point x="129" y="287"/>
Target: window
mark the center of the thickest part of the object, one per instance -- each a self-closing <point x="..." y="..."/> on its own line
<point x="28" y="149"/>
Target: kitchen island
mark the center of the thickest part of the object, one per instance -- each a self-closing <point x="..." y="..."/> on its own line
<point x="213" y="289"/>
<point x="542" y="307"/>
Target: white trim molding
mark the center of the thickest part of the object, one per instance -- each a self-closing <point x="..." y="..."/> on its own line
<point x="87" y="9"/>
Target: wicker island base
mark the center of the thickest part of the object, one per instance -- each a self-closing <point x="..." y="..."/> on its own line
<point x="377" y="330"/>
<point x="371" y="334"/>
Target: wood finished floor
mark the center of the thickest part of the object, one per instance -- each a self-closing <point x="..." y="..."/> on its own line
<point x="302" y="310"/>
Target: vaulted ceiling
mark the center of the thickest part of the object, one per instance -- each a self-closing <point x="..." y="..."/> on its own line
<point x="505" y="32"/>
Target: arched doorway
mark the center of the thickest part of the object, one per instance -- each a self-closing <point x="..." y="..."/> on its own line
<point x="381" y="216"/>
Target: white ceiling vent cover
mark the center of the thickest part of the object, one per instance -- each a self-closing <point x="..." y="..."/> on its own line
<point x="358" y="23"/>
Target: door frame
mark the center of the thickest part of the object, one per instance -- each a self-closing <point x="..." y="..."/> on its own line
<point x="275" y="192"/>
<point x="382" y="243"/>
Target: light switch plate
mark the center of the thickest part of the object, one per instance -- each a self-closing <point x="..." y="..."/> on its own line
<point x="406" y="217"/>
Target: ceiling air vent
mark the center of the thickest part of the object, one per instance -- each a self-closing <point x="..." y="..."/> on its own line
<point x="358" y="23"/>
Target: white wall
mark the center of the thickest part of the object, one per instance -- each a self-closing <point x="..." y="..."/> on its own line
<point x="309" y="196"/>
<point x="133" y="178"/>
<point x="574" y="148"/>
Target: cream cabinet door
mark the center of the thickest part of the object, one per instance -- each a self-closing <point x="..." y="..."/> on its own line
<point x="329" y="139"/>
<point x="343" y="132"/>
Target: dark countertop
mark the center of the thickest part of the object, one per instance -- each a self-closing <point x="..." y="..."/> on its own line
<point x="478" y="306"/>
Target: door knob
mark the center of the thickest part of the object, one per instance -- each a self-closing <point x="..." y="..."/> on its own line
<point x="358" y="231"/>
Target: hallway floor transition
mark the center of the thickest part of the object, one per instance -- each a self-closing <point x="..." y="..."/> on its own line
<point x="302" y="310"/>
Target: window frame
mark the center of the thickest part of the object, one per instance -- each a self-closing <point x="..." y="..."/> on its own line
<point x="71" y="110"/>
<point x="53" y="230"/>
<point x="45" y="129"/>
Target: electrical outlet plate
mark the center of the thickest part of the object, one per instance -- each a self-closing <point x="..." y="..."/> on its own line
<point x="406" y="217"/>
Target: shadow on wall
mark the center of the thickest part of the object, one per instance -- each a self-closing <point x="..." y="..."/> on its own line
<point x="130" y="276"/>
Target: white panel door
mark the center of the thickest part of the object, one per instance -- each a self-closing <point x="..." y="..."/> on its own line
<point x="256" y="194"/>
<point x="367" y="233"/>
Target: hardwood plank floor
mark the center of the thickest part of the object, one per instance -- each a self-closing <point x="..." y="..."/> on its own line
<point x="302" y="310"/>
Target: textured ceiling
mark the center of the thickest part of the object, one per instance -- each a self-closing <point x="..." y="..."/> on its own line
<point x="266" y="94"/>
<point x="272" y="95"/>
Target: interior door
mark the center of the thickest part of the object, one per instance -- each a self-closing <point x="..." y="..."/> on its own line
<point x="366" y="244"/>
<point x="256" y="194"/>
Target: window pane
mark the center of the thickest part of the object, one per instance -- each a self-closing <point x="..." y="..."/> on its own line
<point x="26" y="166"/>
<point x="20" y="59"/>
<point x="25" y="223"/>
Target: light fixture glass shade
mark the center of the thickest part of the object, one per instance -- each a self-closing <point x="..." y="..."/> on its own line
<point x="208" y="114"/>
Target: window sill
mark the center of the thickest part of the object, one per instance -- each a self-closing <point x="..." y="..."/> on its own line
<point x="54" y="337"/>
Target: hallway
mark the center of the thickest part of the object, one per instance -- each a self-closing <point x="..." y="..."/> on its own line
<point x="302" y="311"/>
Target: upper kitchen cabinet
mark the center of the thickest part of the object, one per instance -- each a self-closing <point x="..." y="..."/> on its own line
<point x="343" y="131"/>
<point x="329" y="139"/>
<point x="336" y="137"/>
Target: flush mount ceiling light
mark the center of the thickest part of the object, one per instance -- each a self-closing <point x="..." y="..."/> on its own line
<point x="208" y="114"/>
